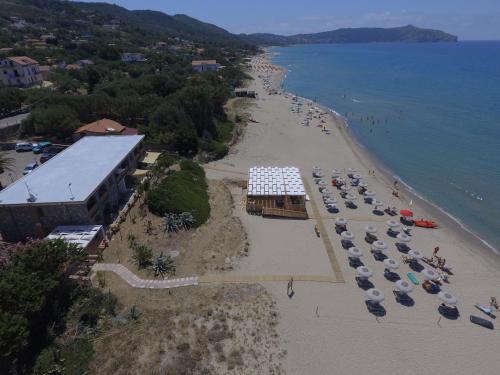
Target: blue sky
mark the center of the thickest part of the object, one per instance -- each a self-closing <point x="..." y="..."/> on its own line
<point x="469" y="19"/>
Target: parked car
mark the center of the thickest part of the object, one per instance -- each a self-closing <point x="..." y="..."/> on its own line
<point x="29" y="168"/>
<point x="46" y="156"/>
<point x="54" y="149"/>
<point x="40" y="146"/>
<point x="23" y="146"/>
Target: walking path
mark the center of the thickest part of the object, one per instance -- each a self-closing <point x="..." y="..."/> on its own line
<point x="136" y="282"/>
<point x="324" y="236"/>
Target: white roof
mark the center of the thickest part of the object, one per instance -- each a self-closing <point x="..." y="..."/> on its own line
<point x="269" y="181"/>
<point x="81" y="235"/>
<point x="86" y="164"/>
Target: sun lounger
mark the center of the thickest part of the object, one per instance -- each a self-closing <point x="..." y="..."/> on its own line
<point x="431" y="287"/>
<point x="413" y="278"/>
<point x="487" y="310"/>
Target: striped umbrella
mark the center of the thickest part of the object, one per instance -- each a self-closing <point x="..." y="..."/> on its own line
<point x="355" y="252"/>
<point x="374" y="295"/>
<point x="348" y="236"/>
<point x="404" y="286"/>
<point x="379" y="246"/>
<point x="341" y="221"/>
<point x="391" y="263"/>
<point x="364" y="272"/>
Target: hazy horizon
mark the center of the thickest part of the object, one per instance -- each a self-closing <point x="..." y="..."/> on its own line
<point x="468" y="20"/>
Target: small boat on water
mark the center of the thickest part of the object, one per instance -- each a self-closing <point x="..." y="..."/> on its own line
<point x="425" y="224"/>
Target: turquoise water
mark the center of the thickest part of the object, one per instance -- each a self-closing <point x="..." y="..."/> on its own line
<point x="429" y="112"/>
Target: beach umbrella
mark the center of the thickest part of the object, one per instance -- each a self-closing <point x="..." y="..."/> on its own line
<point x="403" y="237"/>
<point x="336" y="173"/>
<point x="345" y="188"/>
<point x="363" y="271"/>
<point x="316" y="168"/>
<point x="448" y="298"/>
<point x="379" y="246"/>
<point x="327" y="192"/>
<point x="340" y="221"/>
<point x="321" y="183"/>
<point x="330" y="200"/>
<point x="352" y="170"/>
<point x="377" y="203"/>
<point x="363" y="185"/>
<point x="393" y="224"/>
<point x="346" y="235"/>
<point x="404" y="286"/>
<point x="374" y="295"/>
<point x="430" y="274"/>
<point x="415" y="254"/>
<point x="350" y="197"/>
<point x="406" y="213"/>
<point x="370" y="229"/>
<point x="393" y="264"/>
<point x="356" y="176"/>
<point x="370" y="193"/>
<point x="355" y="252"/>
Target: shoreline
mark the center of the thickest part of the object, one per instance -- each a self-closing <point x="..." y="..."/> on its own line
<point x="365" y="156"/>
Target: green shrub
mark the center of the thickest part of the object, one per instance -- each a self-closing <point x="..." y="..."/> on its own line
<point x="183" y="191"/>
<point x="72" y="358"/>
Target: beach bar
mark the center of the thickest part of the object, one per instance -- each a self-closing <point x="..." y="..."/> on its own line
<point x="276" y="191"/>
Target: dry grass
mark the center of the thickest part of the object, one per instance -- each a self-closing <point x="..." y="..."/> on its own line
<point x="198" y="330"/>
<point x="214" y="246"/>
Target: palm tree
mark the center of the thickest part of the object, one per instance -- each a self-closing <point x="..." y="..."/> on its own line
<point x="171" y="222"/>
<point x="186" y="220"/>
<point x="163" y="264"/>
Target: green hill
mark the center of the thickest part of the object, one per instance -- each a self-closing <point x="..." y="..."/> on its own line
<point x="404" y="34"/>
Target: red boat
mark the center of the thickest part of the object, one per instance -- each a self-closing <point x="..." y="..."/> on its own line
<point x="425" y="224"/>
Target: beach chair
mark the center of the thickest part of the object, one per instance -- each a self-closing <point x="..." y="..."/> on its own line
<point x="355" y="262"/>
<point x="391" y="276"/>
<point x="346" y="244"/>
<point x="402" y="247"/>
<point x="431" y="287"/>
<point x="370" y="238"/>
<point x="401" y="297"/>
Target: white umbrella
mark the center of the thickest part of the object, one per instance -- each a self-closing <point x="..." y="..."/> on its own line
<point x="393" y="224"/>
<point x="336" y="173"/>
<point x="316" y="168"/>
<point x="345" y="188"/>
<point x="355" y="252"/>
<point x="415" y="254"/>
<point x="377" y="203"/>
<point x="346" y="235"/>
<point x="404" y="286"/>
<point x="350" y="197"/>
<point x="430" y="274"/>
<point x="341" y="221"/>
<point x="403" y="237"/>
<point x="330" y="200"/>
<point x="356" y="176"/>
<point x="352" y="170"/>
<point x="363" y="185"/>
<point x="391" y="263"/>
<point x="379" y="246"/>
<point x="370" y="229"/>
<point x="370" y="193"/>
<point x="321" y="183"/>
<point x="318" y="174"/>
<point x="363" y="271"/>
<point x="447" y="298"/>
<point x="326" y="192"/>
<point x="375" y="295"/>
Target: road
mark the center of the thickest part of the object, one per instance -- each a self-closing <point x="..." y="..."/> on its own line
<point x="14" y="120"/>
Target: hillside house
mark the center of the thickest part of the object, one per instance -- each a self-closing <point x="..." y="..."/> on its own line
<point x="20" y="71"/>
<point x="201" y="66"/>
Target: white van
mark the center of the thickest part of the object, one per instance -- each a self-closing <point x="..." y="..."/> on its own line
<point x="23" y="146"/>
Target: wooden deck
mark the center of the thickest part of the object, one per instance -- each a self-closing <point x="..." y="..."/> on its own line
<point x="280" y="212"/>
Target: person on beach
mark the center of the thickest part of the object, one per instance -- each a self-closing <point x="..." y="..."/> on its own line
<point x="436" y="250"/>
<point x="396" y="184"/>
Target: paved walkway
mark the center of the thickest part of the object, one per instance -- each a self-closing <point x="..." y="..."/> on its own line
<point x="136" y="282"/>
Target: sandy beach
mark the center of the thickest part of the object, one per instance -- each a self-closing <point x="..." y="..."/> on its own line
<point x="326" y="327"/>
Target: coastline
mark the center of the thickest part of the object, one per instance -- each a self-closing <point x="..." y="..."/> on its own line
<point x="367" y="158"/>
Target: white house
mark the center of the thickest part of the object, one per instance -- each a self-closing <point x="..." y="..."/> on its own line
<point x="201" y="66"/>
<point x="20" y="71"/>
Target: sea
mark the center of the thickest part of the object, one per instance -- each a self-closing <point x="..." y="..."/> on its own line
<point x="429" y="112"/>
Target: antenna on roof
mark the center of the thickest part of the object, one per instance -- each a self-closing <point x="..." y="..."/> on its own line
<point x="32" y="197"/>
<point x="71" y="192"/>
